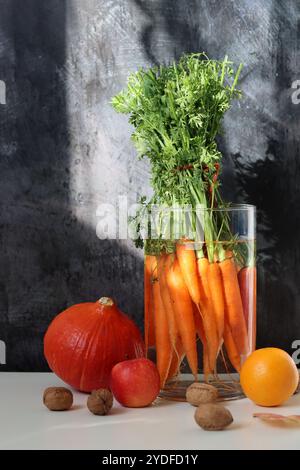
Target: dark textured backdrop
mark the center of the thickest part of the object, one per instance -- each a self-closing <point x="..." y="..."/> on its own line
<point x="63" y="151"/>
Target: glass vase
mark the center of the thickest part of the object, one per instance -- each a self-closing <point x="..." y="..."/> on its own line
<point x="200" y="298"/>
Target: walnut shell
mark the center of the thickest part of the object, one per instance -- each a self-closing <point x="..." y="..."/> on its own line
<point x="100" y="401"/>
<point x="213" y="417"/>
<point x="198" y="393"/>
<point x="58" y="398"/>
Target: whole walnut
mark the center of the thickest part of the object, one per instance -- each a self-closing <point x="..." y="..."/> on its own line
<point x="100" y="401"/>
<point x="213" y="417"/>
<point x="199" y="393"/>
<point x="58" y="398"/>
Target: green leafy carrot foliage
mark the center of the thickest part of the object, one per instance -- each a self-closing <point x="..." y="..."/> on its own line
<point x="176" y="111"/>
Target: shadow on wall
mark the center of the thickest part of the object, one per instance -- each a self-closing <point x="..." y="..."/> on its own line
<point x="272" y="184"/>
<point x="178" y="20"/>
<point x="50" y="260"/>
<point x="34" y="170"/>
<point x="272" y="181"/>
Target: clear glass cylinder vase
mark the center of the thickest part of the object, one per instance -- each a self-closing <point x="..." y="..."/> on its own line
<point x="200" y="298"/>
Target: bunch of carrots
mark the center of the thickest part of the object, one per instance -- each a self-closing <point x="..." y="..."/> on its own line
<point x="188" y="297"/>
<point x="176" y="111"/>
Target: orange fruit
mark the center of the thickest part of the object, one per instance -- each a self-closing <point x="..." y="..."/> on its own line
<point x="269" y="377"/>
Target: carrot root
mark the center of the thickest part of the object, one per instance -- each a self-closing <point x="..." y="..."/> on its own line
<point x="247" y="282"/>
<point x="231" y="349"/>
<point x="234" y="306"/>
<point x="183" y="309"/>
<point x="162" y="338"/>
<point x="150" y="272"/>
<point x="217" y="296"/>
<point x="207" y="371"/>
<point x="188" y="264"/>
<point x="208" y="315"/>
<point x="164" y="265"/>
<point x="177" y="358"/>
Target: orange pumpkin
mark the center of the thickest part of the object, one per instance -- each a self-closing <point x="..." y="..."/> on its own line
<point x="84" y="342"/>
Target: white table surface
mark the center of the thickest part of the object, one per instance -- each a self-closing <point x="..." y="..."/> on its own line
<point x="26" y="424"/>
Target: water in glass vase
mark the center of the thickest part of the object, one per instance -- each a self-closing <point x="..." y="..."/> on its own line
<point x="200" y="304"/>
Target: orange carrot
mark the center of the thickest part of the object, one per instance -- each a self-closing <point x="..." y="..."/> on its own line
<point x="247" y="283"/>
<point x="164" y="265"/>
<point x="199" y="324"/>
<point x="162" y="337"/>
<point x="177" y="357"/>
<point x="228" y="254"/>
<point x="201" y="334"/>
<point x="217" y="296"/>
<point x="208" y="314"/>
<point x="188" y="265"/>
<point x="231" y="349"/>
<point x="183" y="309"/>
<point x="234" y="306"/>
<point x="150" y="272"/>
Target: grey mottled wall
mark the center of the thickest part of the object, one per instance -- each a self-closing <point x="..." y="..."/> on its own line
<point x="63" y="151"/>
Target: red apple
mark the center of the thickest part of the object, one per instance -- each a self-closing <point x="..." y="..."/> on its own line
<point x="135" y="383"/>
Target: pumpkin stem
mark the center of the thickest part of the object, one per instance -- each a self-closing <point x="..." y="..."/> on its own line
<point x="107" y="301"/>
